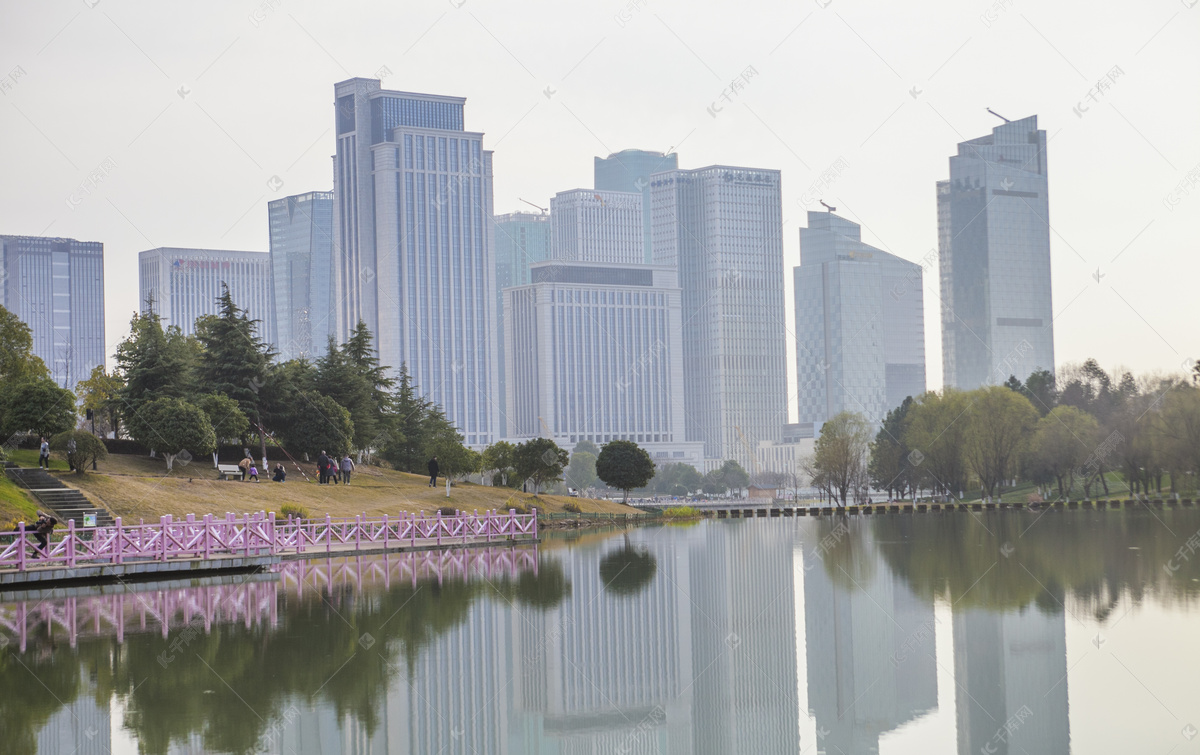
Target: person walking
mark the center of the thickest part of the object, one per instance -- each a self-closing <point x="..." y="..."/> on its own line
<point x="433" y="472"/>
<point x="253" y="472"/>
<point x="44" y="454"/>
<point x="280" y="474"/>
<point x="322" y="468"/>
<point x="244" y="465"/>
<point x="71" y="448"/>
<point x="41" y="532"/>
<point x="347" y="468"/>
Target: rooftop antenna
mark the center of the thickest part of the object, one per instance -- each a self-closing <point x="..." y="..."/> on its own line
<point x="827" y="207"/>
<point x="1001" y="117"/>
<point x="531" y="204"/>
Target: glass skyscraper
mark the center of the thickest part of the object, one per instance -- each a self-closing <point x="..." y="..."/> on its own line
<point x="860" y="324"/>
<point x="597" y="226"/>
<point x="414" y="246"/>
<point x="185" y="284"/>
<point x="994" y="245"/>
<point x="721" y="228"/>
<point x="522" y="238"/>
<point x="630" y="170"/>
<point x="302" y="273"/>
<point x="56" y="287"/>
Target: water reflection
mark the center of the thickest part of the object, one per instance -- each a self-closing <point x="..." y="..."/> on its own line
<point x="657" y="640"/>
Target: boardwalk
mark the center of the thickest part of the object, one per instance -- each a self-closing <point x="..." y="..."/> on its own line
<point x="252" y="541"/>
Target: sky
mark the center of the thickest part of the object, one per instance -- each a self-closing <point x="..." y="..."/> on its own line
<point x="143" y="124"/>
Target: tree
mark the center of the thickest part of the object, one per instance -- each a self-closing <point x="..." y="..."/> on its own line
<point x="454" y="459"/>
<point x="1042" y="390"/>
<point x="587" y="446"/>
<point x="499" y="459"/>
<point x="18" y="363"/>
<point x="999" y="423"/>
<point x="935" y="431"/>
<point x="101" y="394"/>
<point x="36" y="406"/>
<point x="713" y="483"/>
<point x="151" y="365"/>
<point x="674" y="475"/>
<point x="1063" y="442"/>
<point x="733" y="475"/>
<point x="228" y="421"/>
<point x="415" y="419"/>
<point x="889" y="467"/>
<point x="88" y="448"/>
<point x="174" y="428"/>
<point x="1177" y="430"/>
<point x="624" y="465"/>
<point x="581" y="473"/>
<point x="318" y="424"/>
<point x="841" y="453"/>
<point x="352" y="376"/>
<point x="540" y="460"/>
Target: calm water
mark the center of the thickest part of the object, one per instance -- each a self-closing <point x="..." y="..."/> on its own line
<point x="1004" y="632"/>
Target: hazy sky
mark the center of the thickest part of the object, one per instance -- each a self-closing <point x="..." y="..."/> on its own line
<point x="193" y="116"/>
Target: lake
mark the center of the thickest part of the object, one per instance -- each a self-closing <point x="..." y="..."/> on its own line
<point x="1049" y="631"/>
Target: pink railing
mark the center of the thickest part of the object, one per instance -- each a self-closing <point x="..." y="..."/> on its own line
<point x="254" y="601"/>
<point x="256" y="535"/>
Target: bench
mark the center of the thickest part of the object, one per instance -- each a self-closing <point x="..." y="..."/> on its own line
<point x="227" y="471"/>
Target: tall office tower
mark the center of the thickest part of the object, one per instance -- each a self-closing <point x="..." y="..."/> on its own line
<point x="860" y="324"/>
<point x="597" y="226"/>
<point x="414" y="248"/>
<point x="630" y="170"/>
<point x="721" y="227"/>
<point x="56" y="287"/>
<point x="596" y="355"/>
<point x="994" y="244"/>
<point x="185" y="284"/>
<point x="522" y="238"/>
<point x="302" y="273"/>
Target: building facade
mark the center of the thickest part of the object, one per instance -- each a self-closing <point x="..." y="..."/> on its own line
<point x="302" y="273"/>
<point x="720" y="227"/>
<point x="597" y="226"/>
<point x="414" y="246"/>
<point x="630" y="170"/>
<point x="56" y="287"/>
<point x="994" y="248"/>
<point x="860" y="324"/>
<point x="185" y="283"/>
<point x="595" y="354"/>
<point x="522" y="238"/>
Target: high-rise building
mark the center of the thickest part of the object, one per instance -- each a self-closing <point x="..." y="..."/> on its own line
<point x="56" y="287"/>
<point x="522" y="238"/>
<point x="302" y="273"/>
<point x="994" y="245"/>
<point x="721" y="227"/>
<point x="860" y="324"/>
<point x="597" y="226"/>
<point x="595" y="354"/>
<point x="414" y="250"/>
<point x="185" y="283"/>
<point x="630" y="170"/>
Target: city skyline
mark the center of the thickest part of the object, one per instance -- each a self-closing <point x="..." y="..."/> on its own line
<point x="1104" y="271"/>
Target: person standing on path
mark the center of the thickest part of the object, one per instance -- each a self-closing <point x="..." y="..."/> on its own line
<point x="322" y="468"/>
<point x="433" y="472"/>
<point x="71" y="448"/>
<point x="44" y="454"/>
<point x="347" y="468"/>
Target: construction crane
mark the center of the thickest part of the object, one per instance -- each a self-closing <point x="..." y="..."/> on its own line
<point x="1001" y="117"/>
<point x="750" y="454"/>
<point x="531" y="204"/>
<point x="545" y="427"/>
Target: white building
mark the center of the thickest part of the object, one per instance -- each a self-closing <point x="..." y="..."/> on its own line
<point x="185" y="283"/>
<point x="860" y="324"/>
<point x="414" y="245"/>
<point x="721" y="227"/>
<point x="597" y="226"/>
<point x="302" y="273"/>
<point x="594" y="354"/>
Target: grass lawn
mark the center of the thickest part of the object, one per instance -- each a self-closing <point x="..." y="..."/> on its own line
<point x="15" y="505"/>
<point x="138" y="487"/>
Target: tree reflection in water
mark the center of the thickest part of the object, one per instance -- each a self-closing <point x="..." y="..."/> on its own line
<point x="627" y="570"/>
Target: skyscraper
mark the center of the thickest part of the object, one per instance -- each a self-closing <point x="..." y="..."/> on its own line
<point x="185" y="284"/>
<point x="630" y="170"/>
<point x="596" y="355"/>
<point x="597" y="226"/>
<point x="56" y="287"/>
<point x="994" y="244"/>
<point x="720" y="227"/>
<point x="860" y="324"/>
<point x="302" y="273"/>
<point x="414" y="246"/>
<point x="522" y="238"/>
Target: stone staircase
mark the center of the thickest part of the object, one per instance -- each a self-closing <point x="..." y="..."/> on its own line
<point x="55" y="497"/>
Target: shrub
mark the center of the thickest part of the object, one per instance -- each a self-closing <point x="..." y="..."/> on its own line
<point x="448" y="511"/>
<point x="572" y="507"/>
<point x="294" y="510"/>
<point x="681" y="512"/>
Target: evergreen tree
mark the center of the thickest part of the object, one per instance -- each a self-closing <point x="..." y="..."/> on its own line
<point x="151" y="365"/>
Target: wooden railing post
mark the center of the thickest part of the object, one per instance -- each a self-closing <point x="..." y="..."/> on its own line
<point x="71" y="543"/>
<point x="162" y="537"/>
<point x="439" y="527"/>
<point x="512" y="524"/>
<point x="118" y="542"/>
<point x="207" y="536"/>
<point x="386" y="532"/>
<point x="358" y="532"/>
<point x="413" y="529"/>
<point x="535" y="523"/>
<point x="271" y="531"/>
<point x="328" y="534"/>
<point x="21" y="551"/>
